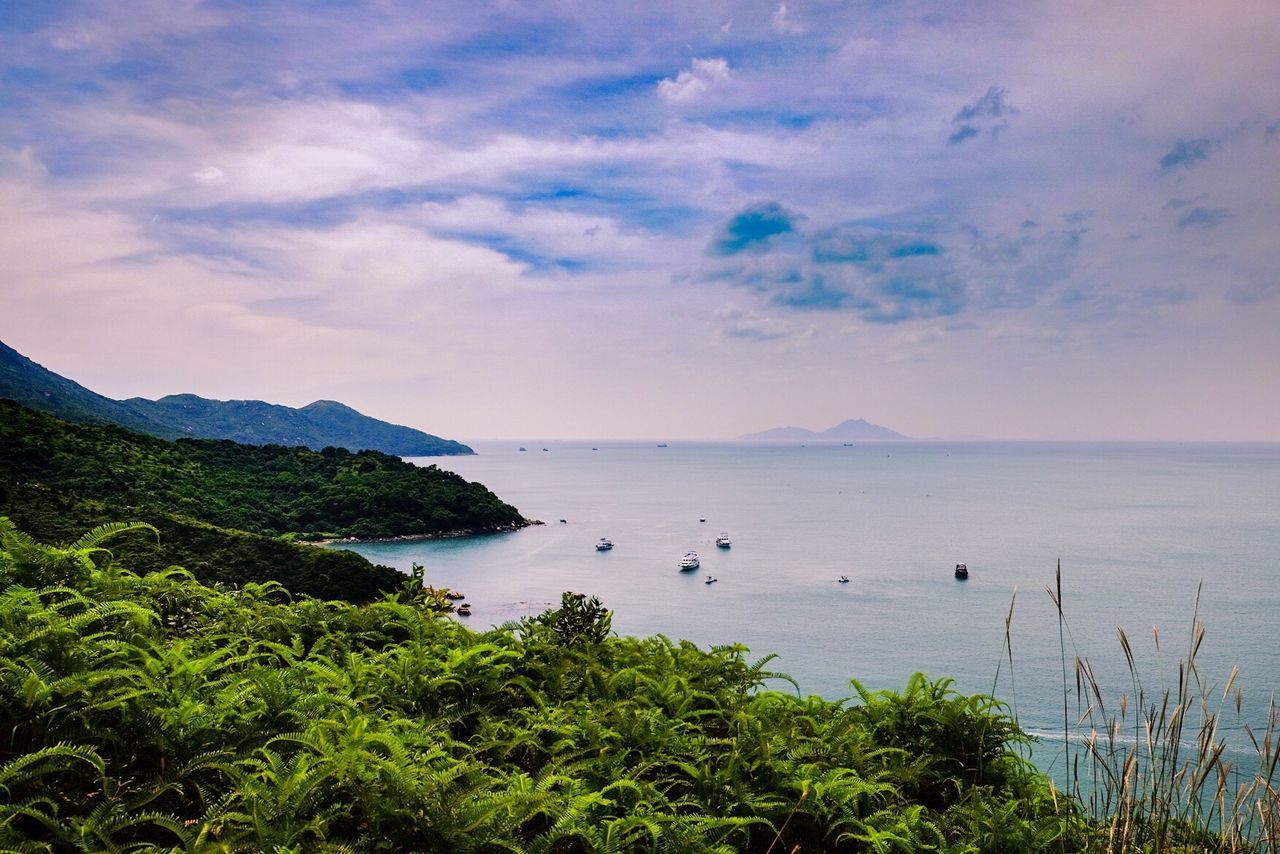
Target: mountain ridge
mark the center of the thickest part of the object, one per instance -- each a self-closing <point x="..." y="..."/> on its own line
<point x="319" y="424"/>
<point x="849" y="430"/>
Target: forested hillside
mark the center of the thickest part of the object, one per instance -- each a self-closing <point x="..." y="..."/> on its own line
<point x="219" y="505"/>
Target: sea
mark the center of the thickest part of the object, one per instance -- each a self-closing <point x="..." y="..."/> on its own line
<point x="1149" y="538"/>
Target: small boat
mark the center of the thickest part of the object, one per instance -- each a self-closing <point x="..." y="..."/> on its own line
<point x="453" y="595"/>
<point x="604" y="545"/>
<point x="464" y="610"/>
<point x="662" y="444"/>
<point x="544" y="449"/>
<point x="524" y="449"/>
<point x="962" y="571"/>
<point x="723" y="541"/>
<point x="689" y="561"/>
<point x="844" y="579"/>
<point x="564" y="521"/>
<point x="702" y="518"/>
<point x="595" y="449"/>
<point x="710" y="580"/>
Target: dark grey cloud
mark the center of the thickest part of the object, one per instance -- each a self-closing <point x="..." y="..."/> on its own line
<point x="753" y="228"/>
<point x="987" y="113"/>
<point x="1204" y="217"/>
<point x="991" y="105"/>
<point x="1187" y="152"/>
<point x="962" y="133"/>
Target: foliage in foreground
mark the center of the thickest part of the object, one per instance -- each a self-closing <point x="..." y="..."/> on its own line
<point x="152" y="711"/>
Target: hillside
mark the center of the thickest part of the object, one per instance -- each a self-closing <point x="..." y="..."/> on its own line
<point x="36" y="387"/>
<point x="853" y="430"/>
<point x="219" y="504"/>
<point x="325" y="423"/>
<point x="322" y="424"/>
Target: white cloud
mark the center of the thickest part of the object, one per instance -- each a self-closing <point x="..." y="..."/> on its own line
<point x="699" y="79"/>
<point x="737" y="322"/>
<point x="209" y="176"/>
<point x="783" y="23"/>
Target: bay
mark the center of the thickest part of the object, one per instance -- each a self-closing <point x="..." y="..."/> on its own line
<point x="1143" y="533"/>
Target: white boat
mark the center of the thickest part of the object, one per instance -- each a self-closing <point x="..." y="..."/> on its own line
<point x="723" y="540"/>
<point x="604" y="545"/>
<point x="689" y="561"/>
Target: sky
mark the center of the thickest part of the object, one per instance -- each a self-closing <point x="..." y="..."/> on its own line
<point x="1021" y="220"/>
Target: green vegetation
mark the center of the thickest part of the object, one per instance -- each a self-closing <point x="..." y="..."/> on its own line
<point x="153" y="711"/>
<point x="57" y="479"/>
<point x="37" y="387"/>
<point x="321" y="424"/>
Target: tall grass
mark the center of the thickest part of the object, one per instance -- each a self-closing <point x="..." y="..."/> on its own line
<point x="1154" y="770"/>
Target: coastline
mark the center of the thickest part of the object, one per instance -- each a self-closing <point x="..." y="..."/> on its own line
<point x="440" y="535"/>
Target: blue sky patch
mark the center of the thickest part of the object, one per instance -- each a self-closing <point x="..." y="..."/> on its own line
<point x="753" y="228"/>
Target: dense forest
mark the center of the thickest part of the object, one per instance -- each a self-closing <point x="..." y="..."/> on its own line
<point x="221" y="507"/>
<point x="155" y="712"/>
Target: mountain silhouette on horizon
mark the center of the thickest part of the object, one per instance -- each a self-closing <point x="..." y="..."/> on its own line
<point x="852" y="430"/>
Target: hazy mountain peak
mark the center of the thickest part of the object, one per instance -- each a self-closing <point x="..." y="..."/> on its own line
<point x="852" y="430"/>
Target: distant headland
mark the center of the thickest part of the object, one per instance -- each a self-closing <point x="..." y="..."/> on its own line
<point x="853" y="430"/>
<point x="325" y="423"/>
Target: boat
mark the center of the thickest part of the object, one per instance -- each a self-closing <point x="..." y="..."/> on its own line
<point x="662" y="444"/>
<point x="689" y="561"/>
<point x="723" y="540"/>
<point x="453" y="595"/>
<point x="702" y="518"/>
<point x="710" y="580"/>
<point x="604" y="545"/>
<point x="962" y="571"/>
<point x="524" y="449"/>
<point x="844" y="579"/>
<point x="464" y="610"/>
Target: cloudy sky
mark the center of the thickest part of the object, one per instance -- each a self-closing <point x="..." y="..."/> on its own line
<point x="656" y="220"/>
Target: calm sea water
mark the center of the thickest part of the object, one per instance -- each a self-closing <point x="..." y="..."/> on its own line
<point x="1138" y="529"/>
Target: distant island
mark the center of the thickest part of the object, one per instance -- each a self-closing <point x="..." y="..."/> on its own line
<point x="853" y="430"/>
<point x="323" y="424"/>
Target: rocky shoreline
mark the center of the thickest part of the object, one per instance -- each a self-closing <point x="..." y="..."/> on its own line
<point x="442" y="535"/>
